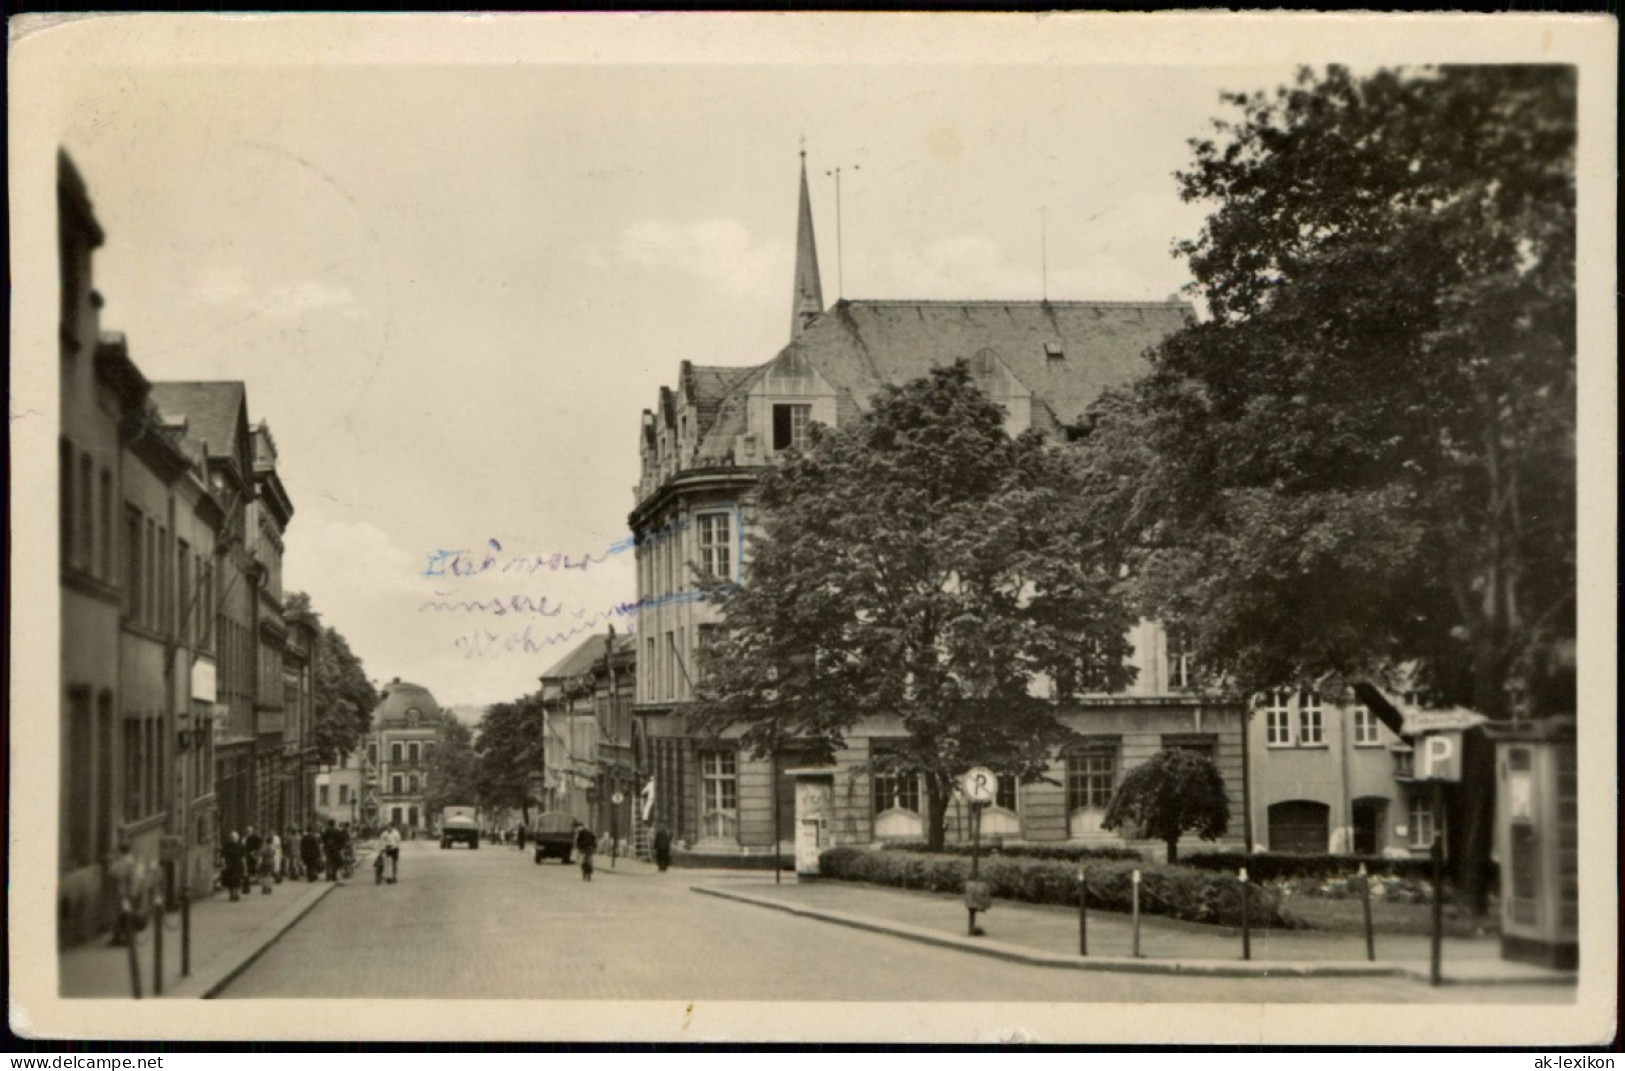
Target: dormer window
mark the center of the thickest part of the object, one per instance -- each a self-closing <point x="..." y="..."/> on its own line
<point x="790" y="426"/>
<point x="1053" y="352"/>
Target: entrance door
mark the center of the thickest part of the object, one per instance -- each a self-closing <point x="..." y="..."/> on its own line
<point x="1299" y="826"/>
<point x="1370" y="818"/>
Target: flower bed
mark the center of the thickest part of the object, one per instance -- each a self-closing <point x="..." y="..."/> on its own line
<point x="1073" y="852"/>
<point x="1172" y="891"/>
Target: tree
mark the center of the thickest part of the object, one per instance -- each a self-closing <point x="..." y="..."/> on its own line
<point x="1172" y="793"/>
<point x="920" y="564"/>
<point x="1365" y="459"/>
<point x="452" y="778"/>
<point x="510" y="753"/>
<point x="345" y="697"/>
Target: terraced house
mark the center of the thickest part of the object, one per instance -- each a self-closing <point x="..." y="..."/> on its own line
<point x="711" y="436"/>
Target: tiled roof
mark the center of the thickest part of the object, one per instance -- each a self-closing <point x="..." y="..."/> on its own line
<point x="707" y="386"/>
<point x="211" y="409"/>
<point x="1065" y="352"/>
<point x="586" y="653"/>
<point x="402" y="696"/>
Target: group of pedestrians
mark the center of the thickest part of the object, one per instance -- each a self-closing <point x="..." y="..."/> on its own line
<point x="585" y="843"/>
<point x="271" y="859"/>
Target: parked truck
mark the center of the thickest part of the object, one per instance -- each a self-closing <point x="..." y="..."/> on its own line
<point x="459" y="824"/>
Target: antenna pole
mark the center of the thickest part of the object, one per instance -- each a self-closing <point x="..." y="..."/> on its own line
<point x="840" y="257"/>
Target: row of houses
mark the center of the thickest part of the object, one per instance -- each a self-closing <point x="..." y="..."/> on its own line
<point x="1324" y="771"/>
<point x="187" y="692"/>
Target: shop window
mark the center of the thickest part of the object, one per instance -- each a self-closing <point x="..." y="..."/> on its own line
<point x="719" y="794"/>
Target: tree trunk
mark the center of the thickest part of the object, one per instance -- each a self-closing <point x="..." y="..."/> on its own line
<point x="936" y="811"/>
<point x="1173" y="850"/>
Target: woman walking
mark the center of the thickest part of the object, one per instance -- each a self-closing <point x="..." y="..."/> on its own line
<point x="231" y="864"/>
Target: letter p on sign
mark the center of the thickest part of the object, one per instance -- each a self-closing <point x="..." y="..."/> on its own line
<point x="1439" y="758"/>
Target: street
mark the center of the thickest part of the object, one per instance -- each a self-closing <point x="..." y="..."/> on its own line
<point x="489" y="924"/>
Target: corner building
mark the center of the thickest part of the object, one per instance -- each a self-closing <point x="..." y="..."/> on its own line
<point x="703" y="449"/>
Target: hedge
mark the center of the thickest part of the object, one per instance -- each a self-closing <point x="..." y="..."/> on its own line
<point x="1269" y="866"/>
<point x="730" y="861"/>
<point x="1073" y="852"/>
<point x="1174" y="891"/>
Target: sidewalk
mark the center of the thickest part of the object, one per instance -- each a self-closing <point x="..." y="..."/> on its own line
<point x="1044" y="935"/>
<point x="226" y="938"/>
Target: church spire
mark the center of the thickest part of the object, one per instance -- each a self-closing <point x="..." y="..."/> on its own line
<point x="808" y="300"/>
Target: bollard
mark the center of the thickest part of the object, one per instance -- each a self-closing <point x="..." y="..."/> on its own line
<point x="1434" y="977"/>
<point x="1365" y="901"/>
<point x="1246" y="918"/>
<point x="157" y="949"/>
<point x="135" y="960"/>
<point x="186" y="934"/>
<point x="1083" y="911"/>
<point x="1136" y="914"/>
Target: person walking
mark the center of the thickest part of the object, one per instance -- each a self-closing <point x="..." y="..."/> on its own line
<point x="124" y="872"/>
<point x="332" y="849"/>
<point x="585" y="843"/>
<point x="265" y="865"/>
<point x="278" y="862"/>
<point x="390" y="849"/>
<point x="662" y="846"/>
<point x="252" y="843"/>
<point x="231" y="864"/>
<point x="310" y="850"/>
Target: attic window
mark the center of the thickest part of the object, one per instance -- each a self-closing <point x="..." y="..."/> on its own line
<point x="1054" y="352"/>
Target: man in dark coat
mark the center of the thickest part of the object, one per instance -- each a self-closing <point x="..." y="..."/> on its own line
<point x="232" y="864"/>
<point x="333" y="848"/>
<point x="585" y="843"/>
<point x="662" y="845"/>
<point x="310" y="851"/>
<point x="251" y="857"/>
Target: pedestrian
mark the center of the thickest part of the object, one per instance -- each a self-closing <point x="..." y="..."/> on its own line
<point x="252" y="842"/>
<point x="266" y="865"/>
<point x="662" y="846"/>
<point x="232" y="864"/>
<point x="390" y="849"/>
<point x="521" y="837"/>
<point x="278" y="862"/>
<point x="332" y="849"/>
<point x="586" y="844"/>
<point x="310" y="850"/>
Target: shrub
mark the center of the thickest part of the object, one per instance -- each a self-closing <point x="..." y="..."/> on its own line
<point x="1174" y="891"/>
<point x="1269" y="866"/>
<point x="992" y="849"/>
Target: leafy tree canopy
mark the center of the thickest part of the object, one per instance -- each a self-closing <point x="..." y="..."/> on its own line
<point x="345" y="697"/>
<point x="452" y="779"/>
<point x="919" y="563"/>
<point x="1170" y="794"/>
<point x="510" y="753"/>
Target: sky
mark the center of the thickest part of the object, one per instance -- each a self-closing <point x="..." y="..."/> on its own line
<point x="452" y="289"/>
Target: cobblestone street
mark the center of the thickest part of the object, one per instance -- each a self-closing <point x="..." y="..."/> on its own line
<point x="489" y="924"/>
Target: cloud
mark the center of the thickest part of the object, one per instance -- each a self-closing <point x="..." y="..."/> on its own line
<point x="720" y="252"/>
<point x="232" y="286"/>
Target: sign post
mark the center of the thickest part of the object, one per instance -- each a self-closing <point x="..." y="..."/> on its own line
<point x="1439" y="761"/>
<point x="980" y="785"/>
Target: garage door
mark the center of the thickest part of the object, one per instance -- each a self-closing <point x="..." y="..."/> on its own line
<point x="1299" y="826"/>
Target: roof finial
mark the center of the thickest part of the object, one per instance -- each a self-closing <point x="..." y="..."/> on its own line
<point x="803" y="148"/>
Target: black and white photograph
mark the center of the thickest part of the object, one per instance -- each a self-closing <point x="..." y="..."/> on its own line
<point x="908" y="528"/>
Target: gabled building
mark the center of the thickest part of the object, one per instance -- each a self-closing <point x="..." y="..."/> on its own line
<point x="591" y="746"/>
<point x="703" y="449"/>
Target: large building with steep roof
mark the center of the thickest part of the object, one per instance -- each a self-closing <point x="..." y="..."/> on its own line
<point x="405" y="731"/>
<point x="703" y="449"/>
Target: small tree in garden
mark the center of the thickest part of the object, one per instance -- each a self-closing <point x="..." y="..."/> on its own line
<point x="1174" y="793"/>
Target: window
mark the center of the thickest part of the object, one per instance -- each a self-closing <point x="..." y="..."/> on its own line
<point x="1311" y="731"/>
<point x="372" y="754"/>
<point x="1278" y="719"/>
<point x="1365" y="726"/>
<point x="413" y="715"/>
<point x="105" y="512"/>
<point x="719" y="794"/>
<point x="716" y="545"/>
<point x="1005" y="796"/>
<point x="78" y="780"/>
<point x="183" y="576"/>
<point x="132" y="769"/>
<point x="1091" y="774"/>
<point x="647" y="671"/>
<point x="896" y="792"/>
<point x="149" y="575"/>
<point x="396" y="783"/>
<point x="134" y="589"/>
<point x="344" y="795"/>
<point x="321" y="795"/>
<point x="1203" y="744"/>
<point x="396" y="751"/>
<point x="87" y="534"/>
<point x="412" y="785"/>
<point x="1181" y="660"/>
<point x="412" y="753"/>
<point x="709" y="639"/>
<point x="790" y="426"/>
<point x="1424" y="824"/>
<point x="65" y="500"/>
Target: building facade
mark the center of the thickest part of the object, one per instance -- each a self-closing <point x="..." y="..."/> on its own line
<point x="338" y="790"/>
<point x="406" y="729"/>
<point x="592" y="747"/>
<point x="703" y="449"/>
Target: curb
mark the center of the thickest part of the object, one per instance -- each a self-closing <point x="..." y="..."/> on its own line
<point x="1122" y="964"/>
<point x="240" y="956"/>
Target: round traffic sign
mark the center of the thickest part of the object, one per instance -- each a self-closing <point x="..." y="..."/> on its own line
<point x="617" y="798"/>
<point x="980" y="784"/>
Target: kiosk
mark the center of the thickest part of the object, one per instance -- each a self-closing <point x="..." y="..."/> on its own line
<point x="1537" y="840"/>
<point x="815" y="800"/>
